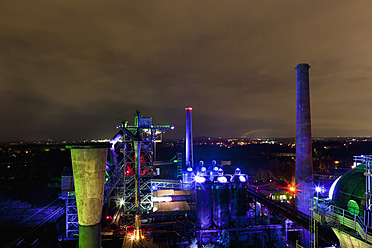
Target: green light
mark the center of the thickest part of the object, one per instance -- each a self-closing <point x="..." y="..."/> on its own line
<point x="353" y="207"/>
<point x="107" y="177"/>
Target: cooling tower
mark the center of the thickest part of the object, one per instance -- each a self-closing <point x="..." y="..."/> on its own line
<point x="89" y="167"/>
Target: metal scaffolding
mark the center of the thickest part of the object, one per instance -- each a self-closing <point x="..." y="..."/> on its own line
<point x="120" y="184"/>
<point x="72" y="224"/>
<point x="157" y="184"/>
<point x="367" y="160"/>
<point x="313" y="225"/>
<point x="179" y="165"/>
<point x="120" y="171"/>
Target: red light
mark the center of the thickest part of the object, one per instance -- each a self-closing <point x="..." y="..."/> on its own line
<point x="188" y="109"/>
<point x="292" y="189"/>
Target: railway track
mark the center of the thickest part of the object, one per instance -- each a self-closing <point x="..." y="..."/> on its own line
<point x="38" y="225"/>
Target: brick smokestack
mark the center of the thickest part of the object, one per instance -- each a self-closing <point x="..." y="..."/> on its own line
<point x="304" y="159"/>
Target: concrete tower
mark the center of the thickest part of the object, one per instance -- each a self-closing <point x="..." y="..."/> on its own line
<point x="89" y="168"/>
<point x="304" y="159"/>
<point x="189" y="141"/>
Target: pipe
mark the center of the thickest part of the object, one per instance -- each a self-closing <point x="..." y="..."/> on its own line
<point x="137" y="231"/>
<point x="113" y="142"/>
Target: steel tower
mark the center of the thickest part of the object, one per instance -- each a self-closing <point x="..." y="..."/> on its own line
<point x="121" y="185"/>
<point x="130" y="157"/>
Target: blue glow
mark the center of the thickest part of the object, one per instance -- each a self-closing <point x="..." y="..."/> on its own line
<point x="222" y="179"/>
<point x="189" y="169"/>
<point x="199" y="179"/>
<point x="238" y="171"/>
<point x="203" y="169"/>
<point x="115" y="140"/>
<point x="215" y="168"/>
<point x="330" y="194"/>
<point x="318" y="189"/>
<point x="242" y="179"/>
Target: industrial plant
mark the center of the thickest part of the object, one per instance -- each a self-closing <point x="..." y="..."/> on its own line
<point x="118" y="195"/>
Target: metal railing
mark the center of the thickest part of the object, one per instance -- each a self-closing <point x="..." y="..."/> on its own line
<point x="343" y="219"/>
<point x="170" y="184"/>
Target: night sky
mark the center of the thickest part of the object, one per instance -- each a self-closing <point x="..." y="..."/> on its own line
<point x="74" y="69"/>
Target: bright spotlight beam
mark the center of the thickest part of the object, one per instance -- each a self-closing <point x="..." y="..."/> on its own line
<point x="318" y="189"/>
<point x="199" y="179"/>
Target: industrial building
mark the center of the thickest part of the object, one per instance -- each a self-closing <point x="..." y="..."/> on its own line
<point x="201" y="204"/>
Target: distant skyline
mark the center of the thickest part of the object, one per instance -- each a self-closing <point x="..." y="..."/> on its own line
<point x="74" y="70"/>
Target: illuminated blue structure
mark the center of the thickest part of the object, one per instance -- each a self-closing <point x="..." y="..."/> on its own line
<point x="203" y="193"/>
<point x="188" y="178"/>
<point x="221" y="197"/>
<point x="238" y="199"/>
<point x="189" y="140"/>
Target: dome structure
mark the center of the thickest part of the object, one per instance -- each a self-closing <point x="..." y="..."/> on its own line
<point x="351" y="188"/>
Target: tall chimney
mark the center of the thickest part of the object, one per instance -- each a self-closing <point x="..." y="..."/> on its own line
<point x="89" y="168"/>
<point x="189" y="141"/>
<point x="304" y="160"/>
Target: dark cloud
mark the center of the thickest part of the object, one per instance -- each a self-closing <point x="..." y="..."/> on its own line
<point x="74" y="70"/>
